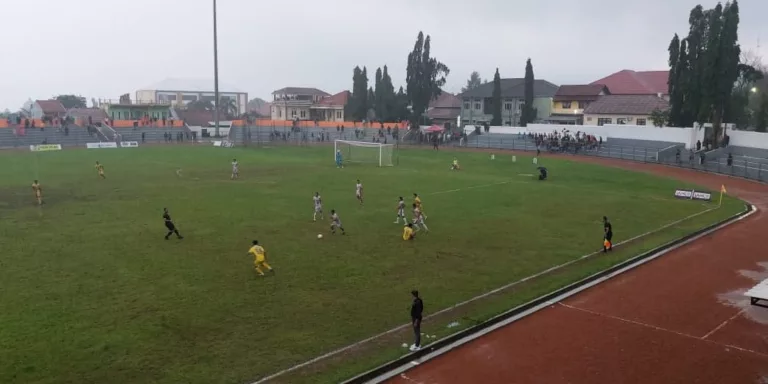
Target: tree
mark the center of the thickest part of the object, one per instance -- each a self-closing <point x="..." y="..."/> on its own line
<point x="370" y="113"/>
<point x="378" y="94"/>
<point x="761" y="121"/>
<point x="228" y="106"/>
<point x="529" y="112"/>
<point x="200" y="105"/>
<point x="388" y="97"/>
<point x="72" y="101"/>
<point x="706" y="68"/>
<point x="496" y="99"/>
<point x="659" y="117"/>
<point x="473" y="82"/>
<point x="425" y="76"/>
<point x="357" y="106"/>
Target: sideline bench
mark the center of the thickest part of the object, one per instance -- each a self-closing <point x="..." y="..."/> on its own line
<point x="758" y="293"/>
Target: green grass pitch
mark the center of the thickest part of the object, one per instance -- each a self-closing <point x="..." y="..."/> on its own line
<point x="92" y="293"/>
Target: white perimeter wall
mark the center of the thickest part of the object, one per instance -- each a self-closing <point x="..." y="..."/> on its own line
<point x="687" y="136"/>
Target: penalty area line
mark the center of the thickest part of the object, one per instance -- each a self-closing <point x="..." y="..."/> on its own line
<point x="475" y="298"/>
<point x="471" y="187"/>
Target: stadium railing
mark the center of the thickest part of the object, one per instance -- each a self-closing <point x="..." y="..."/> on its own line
<point x="748" y="168"/>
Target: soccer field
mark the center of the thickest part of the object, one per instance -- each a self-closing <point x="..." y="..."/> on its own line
<point x="92" y="293"/>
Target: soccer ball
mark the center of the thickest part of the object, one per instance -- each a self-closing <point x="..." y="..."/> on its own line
<point x="319" y="236"/>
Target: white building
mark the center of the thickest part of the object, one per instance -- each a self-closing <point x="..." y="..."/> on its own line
<point x="183" y="91"/>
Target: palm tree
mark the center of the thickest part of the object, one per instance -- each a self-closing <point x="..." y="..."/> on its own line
<point x="228" y="106"/>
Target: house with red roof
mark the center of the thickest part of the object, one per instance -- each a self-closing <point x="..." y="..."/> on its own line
<point x="48" y="108"/>
<point x="629" y="82"/>
<point x="569" y="102"/>
<point x="300" y="103"/>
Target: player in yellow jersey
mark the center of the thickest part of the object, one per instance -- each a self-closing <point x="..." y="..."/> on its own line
<point x="260" y="258"/>
<point x="417" y="202"/>
<point x="38" y="189"/>
<point x="408" y="232"/>
<point x="455" y="166"/>
<point x="100" y="169"/>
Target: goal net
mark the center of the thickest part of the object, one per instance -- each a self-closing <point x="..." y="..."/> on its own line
<point x="362" y="152"/>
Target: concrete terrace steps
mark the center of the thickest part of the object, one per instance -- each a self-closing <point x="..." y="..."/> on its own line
<point x="78" y="136"/>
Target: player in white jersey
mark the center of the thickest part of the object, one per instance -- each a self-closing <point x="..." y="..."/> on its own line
<point x="336" y="223"/>
<point x="235" y="169"/>
<point x="401" y="212"/>
<point x="359" y="191"/>
<point x="418" y="219"/>
<point x="318" y="206"/>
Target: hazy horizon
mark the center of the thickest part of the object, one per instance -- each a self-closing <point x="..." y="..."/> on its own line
<point x="99" y="49"/>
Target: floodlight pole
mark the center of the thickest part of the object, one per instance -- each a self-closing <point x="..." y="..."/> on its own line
<point x="215" y="73"/>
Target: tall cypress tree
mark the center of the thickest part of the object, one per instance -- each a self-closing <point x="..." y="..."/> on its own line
<point x="378" y="93"/>
<point x="529" y="112"/>
<point x="388" y="96"/>
<point x="424" y="78"/>
<point x="496" y="99"/>
<point x="370" y="113"/>
<point x="674" y="86"/>
<point x="351" y="111"/>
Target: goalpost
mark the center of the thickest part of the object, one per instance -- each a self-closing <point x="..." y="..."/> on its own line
<point x="362" y="152"/>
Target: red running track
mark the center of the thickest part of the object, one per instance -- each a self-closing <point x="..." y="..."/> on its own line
<point x="681" y="318"/>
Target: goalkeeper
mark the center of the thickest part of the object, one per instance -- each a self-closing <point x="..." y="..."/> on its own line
<point x="339" y="159"/>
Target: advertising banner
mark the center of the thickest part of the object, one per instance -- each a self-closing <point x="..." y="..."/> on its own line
<point x="45" y="147"/>
<point x="129" y="144"/>
<point x="106" y="144"/>
<point x="691" y="194"/>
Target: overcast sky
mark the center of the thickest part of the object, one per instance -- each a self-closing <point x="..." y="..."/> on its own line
<point x="103" y="48"/>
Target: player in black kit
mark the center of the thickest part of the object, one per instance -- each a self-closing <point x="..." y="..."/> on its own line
<point x="607" y="235"/>
<point x="169" y="224"/>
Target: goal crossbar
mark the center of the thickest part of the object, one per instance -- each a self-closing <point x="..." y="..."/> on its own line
<point x="364" y="152"/>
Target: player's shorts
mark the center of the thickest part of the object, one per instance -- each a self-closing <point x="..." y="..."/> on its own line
<point x="336" y="224"/>
<point x="358" y="194"/>
<point x="609" y="236"/>
<point x="170" y="226"/>
<point x="401" y="212"/>
<point x="259" y="259"/>
<point x="318" y="208"/>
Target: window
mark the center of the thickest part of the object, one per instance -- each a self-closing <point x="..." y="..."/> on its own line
<point x="583" y="104"/>
<point x="566" y="104"/>
<point x="338" y="114"/>
<point x="589" y="118"/>
<point x="279" y="112"/>
<point x="477" y="106"/>
<point x="621" y="121"/>
<point x="466" y="105"/>
<point x="507" y="106"/>
<point x="604" y="120"/>
<point x="303" y="114"/>
<point x="520" y="105"/>
<point x="187" y="97"/>
<point x="293" y="113"/>
<point x="641" y="121"/>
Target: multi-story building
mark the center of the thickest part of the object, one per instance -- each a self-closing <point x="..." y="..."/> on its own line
<point x="477" y="103"/>
<point x="297" y="103"/>
<point x="179" y="92"/>
<point x="570" y="101"/>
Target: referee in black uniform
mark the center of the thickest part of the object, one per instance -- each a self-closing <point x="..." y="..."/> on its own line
<point x="169" y="225"/>
<point x="417" y="307"/>
<point x="608" y="234"/>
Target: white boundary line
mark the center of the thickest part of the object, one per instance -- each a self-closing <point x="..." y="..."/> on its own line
<point x="471" y="187"/>
<point x="473" y="299"/>
<point x="554" y="301"/>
